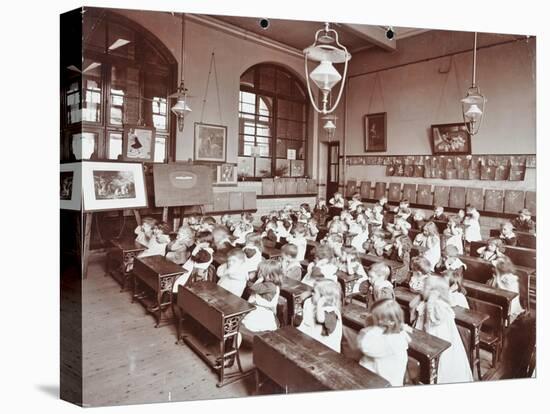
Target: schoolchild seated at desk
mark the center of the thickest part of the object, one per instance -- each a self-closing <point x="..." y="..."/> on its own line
<point x="505" y="278"/>
<point x="264" y="294"/>
<point x="322" y="318"/>
<point x="233" y="274"/>
<point x="198" y="267"/>
<point x="292" y="267"/>
<point x="421" y="270"/>
<point x="507" y="234"/>
<point x="434" y="315"/>
<point x="377" y="244"/>
<point x="253" y="253"/>
<point x="144" y="231"/>
<point x="158" y="242"/>
<point x="439" y="214"/>
<point x="457" y="293"/>
<point x="222" y="240"/>
<point x="524" y="222"/>
<point x="350" y="263"/>
<point x="298" y="238"/>
<point x="243" y="228"/>
<point x="322" y="267"/>
<point x="178" y="249"/>
<point x="379" y="285"/>
<point x="494" y="249"/>
<point x="320" y="211"/>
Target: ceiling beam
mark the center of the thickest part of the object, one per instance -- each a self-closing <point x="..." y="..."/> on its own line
<point x="371" y="34"/>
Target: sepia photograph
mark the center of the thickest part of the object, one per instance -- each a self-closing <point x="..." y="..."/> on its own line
<point x="451" y="139"/>
<point x="375" y="132"/>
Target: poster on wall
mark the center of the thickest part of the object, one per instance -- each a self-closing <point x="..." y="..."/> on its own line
<point x="375" y="132"/>
<point x="138" y="144"/>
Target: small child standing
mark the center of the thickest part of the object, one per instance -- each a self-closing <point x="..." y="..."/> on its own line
<point x="429" y="243"/>
<point x="453" y="234"/>
<point x="505" y="278"/>
<point x="233" y="275"/>
<point x="436" y="317"/>
<point x="493" y="250"/>
<point x="384" y="344"/>
<point x="144" y="232"/>
<point x="507" y="234"/>
<point x="472" y="228"/>
<point x="291" y="266"/>
<point x="322" y="319"/>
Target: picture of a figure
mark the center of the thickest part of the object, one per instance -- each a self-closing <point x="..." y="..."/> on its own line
<point x="227" y="174"/>
<point x="210" y="141"/>
<point x="109" y="185"/>
<point x="66" y="185"/>
<point x="375" y="132"/>
<point x="139" y="144"/>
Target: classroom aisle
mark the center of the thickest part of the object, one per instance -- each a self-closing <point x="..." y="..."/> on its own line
<point x="126" y="360"/>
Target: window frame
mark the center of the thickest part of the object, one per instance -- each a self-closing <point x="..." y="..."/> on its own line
<point x="275" y="96"/>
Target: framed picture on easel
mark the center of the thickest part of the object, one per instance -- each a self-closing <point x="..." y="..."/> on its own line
<point x="113" y="186"/>
<point x="70" y="192"/>
<point x="138" y="143"/>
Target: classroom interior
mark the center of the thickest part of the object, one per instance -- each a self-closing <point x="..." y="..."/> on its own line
<point x="126" y="340"/>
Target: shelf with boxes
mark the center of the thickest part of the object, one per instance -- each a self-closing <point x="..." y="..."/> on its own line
<point x="490" y="202"/>
<point x="288" y="187"/>
<point x="226" y="202"/>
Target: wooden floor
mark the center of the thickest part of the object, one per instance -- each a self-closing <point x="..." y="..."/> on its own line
<point x="126" y="360"/>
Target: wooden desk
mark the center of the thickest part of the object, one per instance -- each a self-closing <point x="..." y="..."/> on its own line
<point x="157" y="275"/>
<point x="299" y="363"/>
<point x="396" y="267"/>
<point x="467" y="318"/>
<point x="519" y="255"/>
<point x="295" y="293"/>
<point x="425" y="348"/>
<point x="219" y="313"/>
<point x="347" y="283"/>
<point x="125" y="251"/>
<point x="524" y="239"/>
<point x="490" y="294"/>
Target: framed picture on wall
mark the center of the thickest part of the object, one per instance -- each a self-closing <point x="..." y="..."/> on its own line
<point x="375" y="132"/>
<point x="138" y="143"/>
<point x="450" y="139"/>
<point x="226" y="174"/>
<point x="113" y="186"/>
<point x="210" y="142"/>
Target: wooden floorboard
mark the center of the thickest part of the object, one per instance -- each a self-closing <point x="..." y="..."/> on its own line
<point x="126" y="360"/>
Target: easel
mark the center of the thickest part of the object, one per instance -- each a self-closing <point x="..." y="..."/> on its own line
<point x="88" y="220"/>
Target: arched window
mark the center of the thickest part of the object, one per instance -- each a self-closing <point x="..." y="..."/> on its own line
<point x="125" y="78"/>
<point x="273" y="115"/>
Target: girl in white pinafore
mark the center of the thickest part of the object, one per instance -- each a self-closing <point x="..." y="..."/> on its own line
<point x="430" y="243"/>
<point x="472" y="228"/>
<point x="265" y="295"/>
<point x="436" y="317"/>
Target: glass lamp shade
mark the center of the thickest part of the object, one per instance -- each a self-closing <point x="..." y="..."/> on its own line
<point x="180" y="109"/>
<point x="329" y="126"/>
<point x="473" y="107"/>
<point x="325" y="76"/>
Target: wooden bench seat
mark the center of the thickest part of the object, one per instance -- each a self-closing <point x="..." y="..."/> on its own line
<point x="528" y="240"/>
<point x="521" y="256"/>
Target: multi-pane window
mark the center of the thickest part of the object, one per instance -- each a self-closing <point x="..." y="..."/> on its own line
<point x="124" y="79"/>
<point x="272" y="123"/>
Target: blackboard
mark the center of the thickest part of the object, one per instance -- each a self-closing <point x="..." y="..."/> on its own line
<point x="182" y="185"/>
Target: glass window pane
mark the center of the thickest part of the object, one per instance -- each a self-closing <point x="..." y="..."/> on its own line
<point x="154" y="104"/>
<point x="282" y="168"/>
<point x="265" y="106"/>
<point x="160" y="149"/>
<point x="297" y="168"/>
<point x="263" y="167"/>
<point x="263" y="130"/>
<point x="263" y="149"/>
<point x="72" y="100"/>
<point x="248" y="78"/>
<point x="299" y="147"/>
<point x="245" y="167"/>
<point x="115" y="145"/>
<point x="248" y="148"/>
<point x="84" y="146"/>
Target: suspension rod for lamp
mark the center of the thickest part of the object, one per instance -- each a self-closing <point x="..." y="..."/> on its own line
<point x="475" y="60"/>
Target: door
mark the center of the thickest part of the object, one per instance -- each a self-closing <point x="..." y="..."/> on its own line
<point x="333" y="168"/>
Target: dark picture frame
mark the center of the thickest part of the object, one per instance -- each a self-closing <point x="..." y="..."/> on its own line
<point x="450" y="139"/>
<point x="138" y="144"/>
<point x="375" y="131"/>
<point x="210" y="142"/>
<point x="226" y="174"/>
